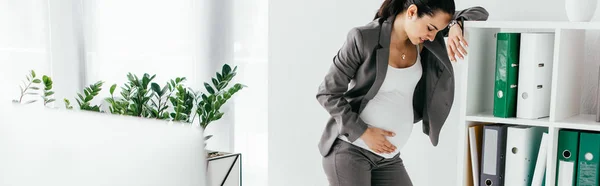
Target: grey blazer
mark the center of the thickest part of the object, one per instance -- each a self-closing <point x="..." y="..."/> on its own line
<point x="359" y="68"/>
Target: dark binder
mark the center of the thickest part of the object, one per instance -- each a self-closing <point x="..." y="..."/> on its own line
<point x="493" y="153"/>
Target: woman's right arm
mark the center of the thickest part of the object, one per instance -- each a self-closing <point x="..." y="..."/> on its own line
<point x="331" y="91"/>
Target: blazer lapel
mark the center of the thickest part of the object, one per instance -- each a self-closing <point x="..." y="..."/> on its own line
<point x="442" y="63"/>
<point x="382" y="54"/>
<point x="441" y="54"/>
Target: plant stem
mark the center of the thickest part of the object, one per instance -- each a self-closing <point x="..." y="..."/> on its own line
<point x="23" y="92"/>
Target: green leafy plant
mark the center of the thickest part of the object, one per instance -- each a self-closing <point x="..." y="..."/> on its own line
<point x="209" y="105"/>
<point x="141" y="97"/>
<point x="47" y="90"/>
<point x="141" y="94"/>
<point x="29" y="87"/>
<point x="162" y="97"/>
<point x="135" y="97"/>
<point x="68" y="104"/>
<point x="183" y="104"/>
<point x="120" y="106"/>
<point x="88" y="95"/>
<point x="159" y="103"/>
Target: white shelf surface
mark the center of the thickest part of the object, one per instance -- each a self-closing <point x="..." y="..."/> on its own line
<point x="488" y="117"/>
<point x="580" y="122"/>
<point x="534" y="25"/>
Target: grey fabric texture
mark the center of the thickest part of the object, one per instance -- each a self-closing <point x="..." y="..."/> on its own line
<point x="349" y="165"/>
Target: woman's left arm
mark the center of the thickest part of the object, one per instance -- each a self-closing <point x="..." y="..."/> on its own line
<point x="455" y="31"/>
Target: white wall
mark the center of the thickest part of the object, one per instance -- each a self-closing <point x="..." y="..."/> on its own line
<point x="250" y="34"/>
<point x="302" y="42"/>
<point x="303" y="37"/>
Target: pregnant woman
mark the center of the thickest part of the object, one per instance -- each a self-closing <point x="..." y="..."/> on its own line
<point x="389" y="74"/>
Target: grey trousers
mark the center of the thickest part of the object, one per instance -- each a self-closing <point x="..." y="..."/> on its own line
<point x="349" y="165"/>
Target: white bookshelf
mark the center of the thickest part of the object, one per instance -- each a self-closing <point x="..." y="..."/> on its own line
<point x="475" y="88"/>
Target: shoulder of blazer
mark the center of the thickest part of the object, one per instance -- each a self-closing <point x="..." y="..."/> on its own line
<point x="369" y="34"/>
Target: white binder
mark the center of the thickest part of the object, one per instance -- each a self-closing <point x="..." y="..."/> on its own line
<point x="540" y="165"/>
<point x="522" y="148"/>
<point x="535" y="75"/>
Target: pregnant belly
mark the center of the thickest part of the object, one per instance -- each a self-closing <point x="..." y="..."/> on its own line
<point x="397" y="118"/>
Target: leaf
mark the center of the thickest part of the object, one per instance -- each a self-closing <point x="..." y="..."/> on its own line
<point x="31" y="101"/>
<point x="112" y="89"/>
<point x="49" y="93"/>
<point x="34" y="88"/>
<point x="33" y="73"/>
<point x="156" y="88"/>
<point x="209" y="88"/>
<point x="207" y="107"/>
<point x="218" y="116"/>
<point x="37" y="81"/>
<point x="215" y="83"/>
<point x="164" y="90"/>
<point x="226" y="69"/>
<point x="50" y="100"/>
<point x="79" y="103"/>
<point x="208" y="137"/>
<point x="219" y="77"/>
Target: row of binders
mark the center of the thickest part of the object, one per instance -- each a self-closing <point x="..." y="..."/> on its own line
<point x="502" y="154"/>
<point x="523" y="74"/>
<point x="510" y="155"/>
<point x="577" y="158"/>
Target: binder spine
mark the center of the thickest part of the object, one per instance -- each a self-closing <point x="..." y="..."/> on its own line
<point x="506" y="75"/>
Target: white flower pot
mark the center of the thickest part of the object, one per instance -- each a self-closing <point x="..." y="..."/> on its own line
<point x="580" y="10"/>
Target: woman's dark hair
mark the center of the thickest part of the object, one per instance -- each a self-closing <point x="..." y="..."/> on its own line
<point x="394" y="7"/>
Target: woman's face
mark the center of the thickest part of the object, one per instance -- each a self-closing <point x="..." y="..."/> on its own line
<point x="426" y="27"/>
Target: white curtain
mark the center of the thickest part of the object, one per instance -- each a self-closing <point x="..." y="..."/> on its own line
<point x="141" y="36"/>
<point x="24" y="44"/>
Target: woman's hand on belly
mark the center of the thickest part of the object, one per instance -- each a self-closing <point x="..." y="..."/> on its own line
<point x="376" y="139"/>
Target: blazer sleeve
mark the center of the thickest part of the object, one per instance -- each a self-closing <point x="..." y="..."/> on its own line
<point x="333" y="87"/>
<point x="476" y="13"/>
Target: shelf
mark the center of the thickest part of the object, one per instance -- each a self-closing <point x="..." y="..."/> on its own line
<point x="478" y="80"/>
<point x="534" y="25"/>
<point x="580" y="122"/>
<point x="487" y="117"/>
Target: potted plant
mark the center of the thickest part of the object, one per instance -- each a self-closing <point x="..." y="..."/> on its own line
<point x="141" y="97"/>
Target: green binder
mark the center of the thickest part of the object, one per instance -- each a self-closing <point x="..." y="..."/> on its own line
<point x="505" y="86"/>
<point x="589" y="152"/>
<point x="567" y="154"/>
